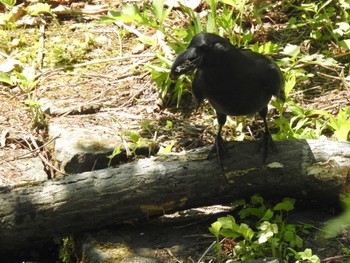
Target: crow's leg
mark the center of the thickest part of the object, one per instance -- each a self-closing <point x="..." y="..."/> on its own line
<point x="218" y="147"/>
<point x="267" y="141"/>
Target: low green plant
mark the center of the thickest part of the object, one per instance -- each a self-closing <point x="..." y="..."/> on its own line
<point x="132" y="140"/>
<point x="8" y="3"/>
<point x="335" y="226"/>
<point x="305" y="256"/>
<point x="265" y="231"/>
<point x="340" y="124"/>
<point x="6" y="78"/>
<point x="117" y="150"/>
<point x="38" y="119"/>
<point x="304" y="124"/>
<point x="320" y="17"/>
<point x="25" y="80"/>
<point x="68" y="250"/>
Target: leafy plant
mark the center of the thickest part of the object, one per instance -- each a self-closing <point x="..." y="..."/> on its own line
<point x="117" y="150"/>
<point x="25" y="80"/>
<point x="318" y="16"/>
<point x="336" y="225"/>
<point x="38" y="117"/>
<point x="8" y="3"/>
<point x="267" y="235"/>
<point x="305" y="123"/>
<point x="340" y="124"/>
<point x="305" y="255"/>
<point x="68" y="250"/>
<point x="133" y="141"/>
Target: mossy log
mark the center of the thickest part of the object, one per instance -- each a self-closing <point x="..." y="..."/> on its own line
<point x="33" y="214"/>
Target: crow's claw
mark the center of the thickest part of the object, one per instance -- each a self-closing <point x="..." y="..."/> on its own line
<point x="268" y="145"/>
<point x="219" y="150"/>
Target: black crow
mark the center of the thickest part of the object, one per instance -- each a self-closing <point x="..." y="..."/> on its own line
<point x="234" y="81"/>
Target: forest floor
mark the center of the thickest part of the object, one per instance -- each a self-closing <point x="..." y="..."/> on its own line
<point x="122" y="92"/>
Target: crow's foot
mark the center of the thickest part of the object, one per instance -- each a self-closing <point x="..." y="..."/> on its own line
<point x="268" y="145"/>
<point x="219" y="150"/>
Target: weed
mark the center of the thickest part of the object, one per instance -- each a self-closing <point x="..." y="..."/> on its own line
<point x="267" y="235"/>
<point x="38" y="117"/>
<point x="305" y="256"/>
<point x="340" y="124"/>
<point x="117" y="150"/>
<point x="144" y="142"/>
<point x="319" y="16"/>
<point x="68" y="250"/>
<point x="8" y="3"/>
<point x="335" y="226"/>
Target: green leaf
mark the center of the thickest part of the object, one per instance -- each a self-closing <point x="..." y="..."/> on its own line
<point x="38" y="8"/>
<point x="227" y="222"/>
<point x="32" y="103"/>
<point x="298" y="241"/>
<point x="291" y="50"/>
<point x="345" y="44"/>
<point x="341" y="124"/>
<point x="256" y="199"/>
<point x="6" y="78"/>
<point x="267" y="216"/>
<point x="128" y="14"/>
<point x="211" y="28"/>
<point x="246" y="231"/>
<point x="239" y="202"/>
<point x="135" y="137"/>
<point x="268" y="230"/>
<point x="166" y="149"/>
<point x="215" y="228"/>
<point x="307" y="255"/>
<point x="315" y="35"/>
<point x="287" y="204"/>
<point x="289" y="85"/>
<point x="117" y="150"/>
<point x="252" y="211"/>
<point x="232" y="3"/>
<point x="169" y="124"/>
<point x="344" y="26"/>
<point x="8" y="3"/>
<point x="289" y="235"/>
<point x="158" y="10"/>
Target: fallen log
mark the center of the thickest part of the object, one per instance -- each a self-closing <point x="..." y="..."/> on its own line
<point x="32" y="214"/>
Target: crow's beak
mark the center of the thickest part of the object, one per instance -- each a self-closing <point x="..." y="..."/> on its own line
<point x="185" y="63"/>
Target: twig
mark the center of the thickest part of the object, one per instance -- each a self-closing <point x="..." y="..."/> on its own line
<point x="341" y="55"/>
<point x="171" y="254"/>
<point x="329" y="76"/>
<point x="93" y="62"/>
<point x="131" y="29"/>
<point x="30" y="150"/>
<point x="206" y="252"/>
<point x="45" y="159"/>
<point x="4" y="55"/>
<point x="40" y="56"/>
<point x="120" y="43"/>
<point x="89" y="10"/>
<point x="142" y="89"/>
<point x="330" y="259"/>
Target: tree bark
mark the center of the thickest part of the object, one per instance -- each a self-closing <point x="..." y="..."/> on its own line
<point x="32" y="214"/>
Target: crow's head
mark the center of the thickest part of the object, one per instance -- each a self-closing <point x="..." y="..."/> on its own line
<point x="186" y="62"/>
<point x="202" y="47"/>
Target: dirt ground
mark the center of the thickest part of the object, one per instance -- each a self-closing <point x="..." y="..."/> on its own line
<point x="125" y="93"/>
